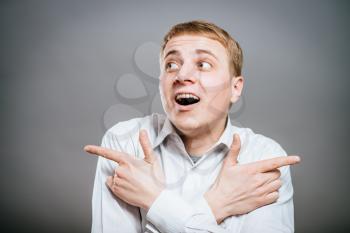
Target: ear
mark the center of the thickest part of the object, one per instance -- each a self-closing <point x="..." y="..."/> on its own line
<point x="236" y="88"/>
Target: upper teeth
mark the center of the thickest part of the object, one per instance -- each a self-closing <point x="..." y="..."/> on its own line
<point x="185" y="95"/>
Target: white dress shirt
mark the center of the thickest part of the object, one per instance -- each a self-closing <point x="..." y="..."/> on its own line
<point x="181" y="207"/>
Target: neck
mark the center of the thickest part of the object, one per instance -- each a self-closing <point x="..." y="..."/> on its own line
<point x="200" y="142"/>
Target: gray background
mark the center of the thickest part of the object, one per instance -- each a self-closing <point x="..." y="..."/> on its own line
<point x="61" y="63"/>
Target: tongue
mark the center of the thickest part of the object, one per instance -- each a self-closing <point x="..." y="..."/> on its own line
<point x="187" y="101"/>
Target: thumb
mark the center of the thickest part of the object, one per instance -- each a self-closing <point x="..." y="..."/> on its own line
<point x="232" y="155"/>
<point x="146" y="146"/>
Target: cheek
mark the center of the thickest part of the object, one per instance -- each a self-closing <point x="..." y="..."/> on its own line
<point x="163" y="83"/>
<point x="165" y="88"/>
<point x="216" y="85"/>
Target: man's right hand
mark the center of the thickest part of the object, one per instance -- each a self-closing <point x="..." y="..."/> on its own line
<point x="240" y="189"/>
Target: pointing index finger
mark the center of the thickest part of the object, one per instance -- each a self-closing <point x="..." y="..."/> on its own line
<point x="105" y="152"/>
<point x="274" y="163"/>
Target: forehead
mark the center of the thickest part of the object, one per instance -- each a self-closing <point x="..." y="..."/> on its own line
<point x="191" y="43"/>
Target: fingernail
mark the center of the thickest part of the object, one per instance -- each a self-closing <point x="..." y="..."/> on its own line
<point x="297" y="158"/>
<point x="86" y="148"/>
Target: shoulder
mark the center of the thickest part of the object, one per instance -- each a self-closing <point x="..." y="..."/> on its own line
<point x="256" y="146"/>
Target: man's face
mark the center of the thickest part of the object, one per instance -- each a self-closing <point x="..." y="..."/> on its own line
<point x="195" y="82"/>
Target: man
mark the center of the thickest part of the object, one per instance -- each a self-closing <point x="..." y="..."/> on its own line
<point x="192" y="170"/>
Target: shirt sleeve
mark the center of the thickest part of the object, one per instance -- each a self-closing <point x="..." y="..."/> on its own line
<point x="279" y="216"/>
<point x="109" y="213"/>
<point x="170" y="213"/>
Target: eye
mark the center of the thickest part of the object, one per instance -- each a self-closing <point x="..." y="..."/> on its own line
<point x="204" y="65"/>
<point x="171" y="66"/>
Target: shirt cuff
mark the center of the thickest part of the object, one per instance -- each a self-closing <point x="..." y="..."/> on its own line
<point x="203" y="207"/>
<point x="169" y="213"/>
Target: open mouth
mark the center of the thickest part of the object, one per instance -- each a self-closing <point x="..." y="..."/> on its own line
<point x="186" y="99"/>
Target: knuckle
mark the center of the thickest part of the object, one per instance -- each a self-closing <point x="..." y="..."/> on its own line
<point x="113" y="187"/>
<point x="120" y="172"/>
<point x="99" y="151"/>
<point x="274" y="196"/>
<point x="275" y="174"/>
<point x="127" y="164"/>
<point x="259" y="191"/>
<point x="271" y="198"/>
<point x="116" y="189"/>
<point x="268" y="200"/>
<point x="279" y="183"/>
<point x="258" y="178"/>
<point x="275" y="164"/>
<point x="261" y="202"/>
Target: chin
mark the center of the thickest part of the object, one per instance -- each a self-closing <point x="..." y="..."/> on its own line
<point x="186" y="124"/>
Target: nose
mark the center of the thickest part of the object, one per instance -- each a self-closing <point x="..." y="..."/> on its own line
<point x="187" y="74"/>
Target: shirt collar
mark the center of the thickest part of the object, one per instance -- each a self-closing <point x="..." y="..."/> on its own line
<point x="168" y="128"/>
<point x="227" y="136"/>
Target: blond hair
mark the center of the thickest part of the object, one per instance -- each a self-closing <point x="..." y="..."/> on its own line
<point x="211" y="31"/>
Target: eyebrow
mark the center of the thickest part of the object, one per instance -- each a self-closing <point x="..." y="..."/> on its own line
<point x="172" y="52"/>
<point x="198" y="51"/>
